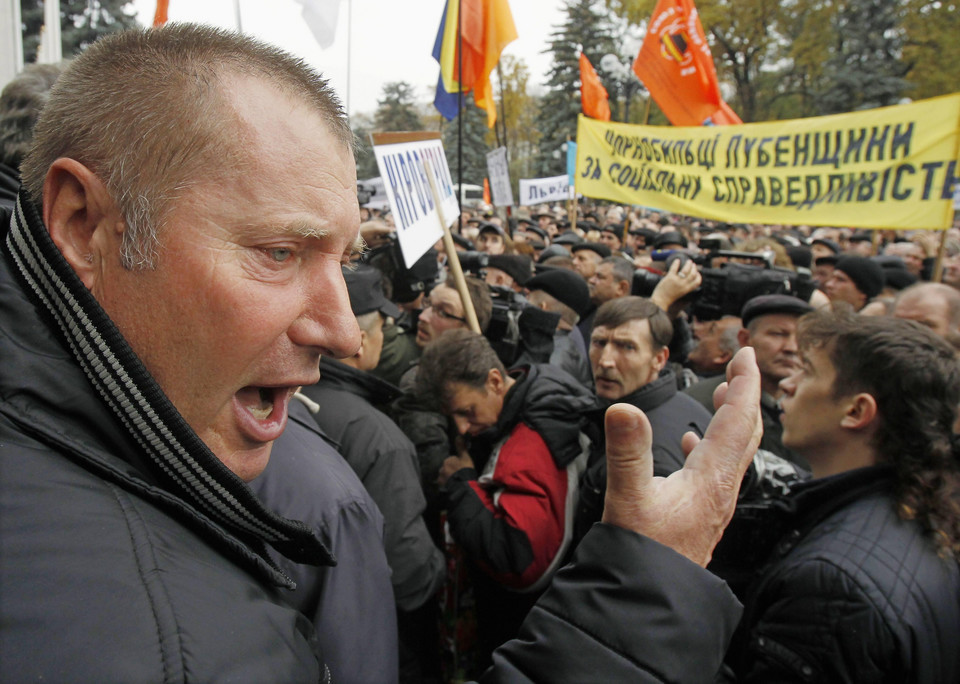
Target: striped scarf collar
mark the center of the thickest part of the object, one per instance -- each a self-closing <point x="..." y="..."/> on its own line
<point x="180" y="460"/>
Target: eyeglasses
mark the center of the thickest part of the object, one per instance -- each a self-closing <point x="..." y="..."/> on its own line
<point x="440" y="313"/>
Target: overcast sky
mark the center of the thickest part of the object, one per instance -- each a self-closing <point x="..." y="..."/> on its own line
<point x="391" y="39"/>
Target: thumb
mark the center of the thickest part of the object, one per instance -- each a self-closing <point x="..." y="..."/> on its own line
<point x="629" y="465"/>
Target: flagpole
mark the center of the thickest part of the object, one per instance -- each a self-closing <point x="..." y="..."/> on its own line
<point x="236" y="12"/>
<point x="460" y="114"/>
<point x="349" y="37"/>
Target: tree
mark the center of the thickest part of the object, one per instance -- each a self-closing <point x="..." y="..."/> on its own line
<point x="475" y="146"/>
<point x="863" y="67"/>
<point x="396" y="110"/>
<point x="81" y="23"/>
<point x="931" y="49"/>
<point x="592" y="29"/>
<point x="362" y="125"/>
<point x="519" y="109"/>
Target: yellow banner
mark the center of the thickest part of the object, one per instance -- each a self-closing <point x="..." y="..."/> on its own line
<point x="884" y="168"/>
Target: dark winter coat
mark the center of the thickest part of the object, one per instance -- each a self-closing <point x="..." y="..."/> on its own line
<point x="671" y="414"/>
<point x="386" y="462"/>
<point x="851" y="592"/>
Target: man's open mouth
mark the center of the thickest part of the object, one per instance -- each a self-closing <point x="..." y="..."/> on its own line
<point x="262" y="409"/>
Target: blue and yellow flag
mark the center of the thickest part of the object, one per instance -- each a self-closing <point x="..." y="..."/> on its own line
<point x="486" y="27"/>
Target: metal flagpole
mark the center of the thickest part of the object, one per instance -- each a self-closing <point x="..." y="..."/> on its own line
<point x="236" y="11"/>
<point x="460" y="114"/>
<point x="349" y="37"/>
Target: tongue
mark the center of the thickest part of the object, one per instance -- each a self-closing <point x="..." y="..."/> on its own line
<point x="257" y="400"/>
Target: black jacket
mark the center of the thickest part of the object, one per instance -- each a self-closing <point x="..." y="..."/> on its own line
<point x="110" y="569"/>
<point x="386" y="462"/>
<point x="850" y="593"/>
<point x="671" y="414"/>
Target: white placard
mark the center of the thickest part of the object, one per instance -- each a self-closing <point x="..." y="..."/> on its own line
<point x="403" y="167"/>
<point x="537" y="190"/>
<point x="499" y="172"/>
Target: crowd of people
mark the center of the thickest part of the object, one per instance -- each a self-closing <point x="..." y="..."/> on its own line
<point x="240" y="440"/>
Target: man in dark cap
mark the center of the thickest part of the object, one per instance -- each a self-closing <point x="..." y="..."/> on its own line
<point x="670" y="240"/>
<point x="855" y="280"/>
<point x="491" y="239"/>
<point x="384" y="460"/>
<point x="824" y="247"/>
<point x="586" y="256"/>
<point x="509" y="270"/>
<point x="562" y="291"/>
<point x="612" y="236"/>
<point x="770" y="327"/>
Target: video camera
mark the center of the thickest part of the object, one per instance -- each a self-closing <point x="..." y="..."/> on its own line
<point x="725" y="289"/>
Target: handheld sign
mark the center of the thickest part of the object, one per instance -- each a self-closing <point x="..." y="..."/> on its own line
<point x="499" y="172"/>
<point x="540" y="190"/>
<point x="406" y="162"/>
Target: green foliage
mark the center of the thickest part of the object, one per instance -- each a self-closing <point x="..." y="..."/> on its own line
<point x="397" y="109"/>
<point x="931" y="47"/>
<point x="81" y="23"/>
<point x="363" y="126"/>
<point x="588" y="26"/>
<point x="520" y="110"/>
<point x="475" y="146"/>
<point x="863" y="68"/>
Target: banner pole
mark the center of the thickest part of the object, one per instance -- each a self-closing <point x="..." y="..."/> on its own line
<point x="941" y="253"/>
<point x="453" y="260"/>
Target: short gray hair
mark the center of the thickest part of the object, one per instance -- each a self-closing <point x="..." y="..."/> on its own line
<point x="146" y="111"/>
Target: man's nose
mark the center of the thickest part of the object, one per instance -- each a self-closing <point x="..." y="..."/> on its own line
<point x="462" y="424"/>
<point x="791" y="344"/>
<point x="326" y="321"/>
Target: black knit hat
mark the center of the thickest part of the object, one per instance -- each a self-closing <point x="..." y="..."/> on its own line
<point x="565" y="285"/>
<point x="867" y="275"/>
<point x="517" y="266"/>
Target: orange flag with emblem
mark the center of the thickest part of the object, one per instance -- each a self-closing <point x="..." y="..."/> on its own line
<point x="593" y="96"/>
<point x="677" y="68"/>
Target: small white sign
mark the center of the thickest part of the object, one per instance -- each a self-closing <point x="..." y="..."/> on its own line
<point x="499" y="172"/>
<point x="537" y="190"/>
<point x="404" y="168"/>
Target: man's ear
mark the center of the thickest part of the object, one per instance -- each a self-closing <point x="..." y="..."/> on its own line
<point x="860" y="413"/>
<point x="623" y="287"/>
<point x="660" y="358"/>
<point x="82" y="218"/>
<point x="743" y="337"/>
<point x="495" y="382"/>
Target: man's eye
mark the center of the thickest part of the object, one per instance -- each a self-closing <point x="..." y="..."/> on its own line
<point x="279" y="254"/>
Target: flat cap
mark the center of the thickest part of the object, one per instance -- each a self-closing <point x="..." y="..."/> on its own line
<point x="773" y="304"/>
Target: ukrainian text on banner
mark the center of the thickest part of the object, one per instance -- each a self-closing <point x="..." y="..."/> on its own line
<point x="885" y="168"/>
<point x="406" y="162"/>
<point x="537" y="190"/>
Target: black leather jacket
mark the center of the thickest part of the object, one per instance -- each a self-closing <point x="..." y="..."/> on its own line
<point x="850" y="593"/>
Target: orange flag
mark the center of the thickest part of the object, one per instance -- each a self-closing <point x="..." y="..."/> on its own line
<point x="160" y="17"/>
<point x="593" y="96"/>
<point x="677" y="68"/>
